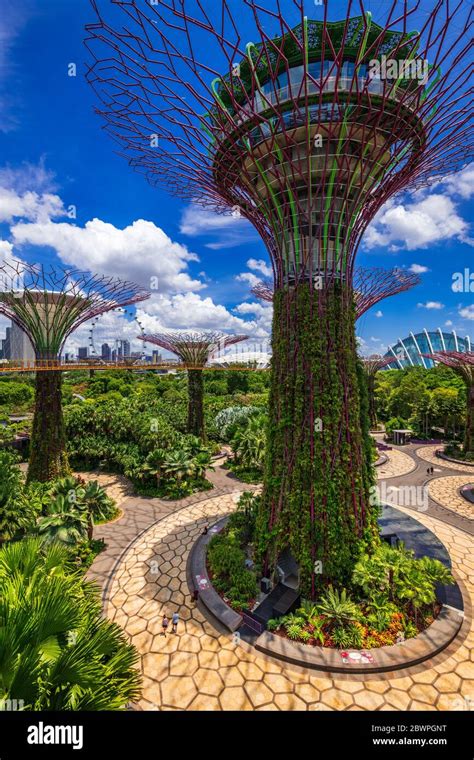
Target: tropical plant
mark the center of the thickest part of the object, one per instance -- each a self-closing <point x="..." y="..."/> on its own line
<point x="57" y="652"/>
<point x="16" y="514"/>
<point x="249" y="443"/>
<point x="63" y="522"/>
<point x="347" y="636"/>
<point x="337" y="608"/>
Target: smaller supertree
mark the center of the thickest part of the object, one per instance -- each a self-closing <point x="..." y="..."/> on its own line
<point x="194" y="349"/>
<point x="372" y="365"/>
<point x="370" y="285"/>
<point x="48" y="304"/>
<point x="463" y="364"/>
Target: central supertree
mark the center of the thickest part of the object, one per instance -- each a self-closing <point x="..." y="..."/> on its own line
<point x="194" y="349"/>
<point x="305" y="132"/>
<point x="370" y="286"/>
<point x="48" y="304"/>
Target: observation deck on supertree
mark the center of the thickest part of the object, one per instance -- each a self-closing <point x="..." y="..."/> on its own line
<point x="305" y="134"/>
<point x="462" y="362"/>
<point x="369" y="285"/>
<point x="194" y="349"/>
<point x="48" y="304"/>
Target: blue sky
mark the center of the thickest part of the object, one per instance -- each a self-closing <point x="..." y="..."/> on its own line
<point x="54" y="155"/>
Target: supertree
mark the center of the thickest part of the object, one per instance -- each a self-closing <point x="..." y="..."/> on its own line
<point x="305" y="133"/>
<point x="372" y="365"/>
<point x="194" y="349"/>
<point x="49" y="303"/>
<point x="370" y="285"/>
<point x="463" y="364"/>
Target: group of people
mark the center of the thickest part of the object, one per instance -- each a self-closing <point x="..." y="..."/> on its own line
<point x="174" y="623"/>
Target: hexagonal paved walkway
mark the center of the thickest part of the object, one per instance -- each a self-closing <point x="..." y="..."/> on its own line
<point x="398" y="464"/>
<point x="428" y="454"/>
<point x="445" y="491"/>
<point x="202" y="668"/>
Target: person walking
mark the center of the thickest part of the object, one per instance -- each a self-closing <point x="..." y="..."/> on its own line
<point x="175" y="621"/>
<point x="164" y="624"/>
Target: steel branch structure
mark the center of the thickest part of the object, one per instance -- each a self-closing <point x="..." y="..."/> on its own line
<point x="305" y="127"/>
<point x="48" y="304"/>
<point x="194" y="349"/>
<point x="463" y="364"/>
<point x="370" y="286"/>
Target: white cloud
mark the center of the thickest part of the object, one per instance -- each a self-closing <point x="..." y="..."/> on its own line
<point x="462" y="183"/>
<point x="190" y="311"/>
<point x="416" y="225"/>
<point x="448" y="323"/>
<point x="29" y="205"/>
<point x="375" y="340"/>
<point x="379" y="314"/>
<point x="139" y="252"/>
<point x="417" y="268"/>
<point x="467" y="312"/>
<point x="258" y="265"/>
<point x="431" y="305"/>
<point x="252" y="279"/>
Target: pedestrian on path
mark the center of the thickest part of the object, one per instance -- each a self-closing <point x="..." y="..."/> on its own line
<point x="164" y="624"/>
<point x="175" y="621"/>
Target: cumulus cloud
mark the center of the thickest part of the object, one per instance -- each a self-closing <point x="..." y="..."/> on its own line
<point x="258" y="265"/>
<point x="416" y="225"/>
<point x="379" y="314"/>
<point x="467" y="312"/>
<point x="431" y="305"/>
<point x="187" y="311"/>
<point x="140" y="252"/>
<point x="249" y="277"/>
<point x="462" y="183"/>
<point x="417" y="268"/>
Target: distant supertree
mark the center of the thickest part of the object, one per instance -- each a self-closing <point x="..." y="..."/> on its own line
<point x="306" y="133"/>
<point x="369" y="285"/>
<point x="48" y="304"/>
<point x="463" y="364"/>
<point x="372" y="365"/>
<point x="194" y="349"/>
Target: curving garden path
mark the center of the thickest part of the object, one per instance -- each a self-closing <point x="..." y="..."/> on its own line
<point x="143" y="575"/>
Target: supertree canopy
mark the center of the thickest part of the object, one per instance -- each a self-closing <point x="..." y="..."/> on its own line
<point x="463" y="364"/>
<point x="372" y="365"/>
<point x="194" y="349"/>
<point x="370" y="286"/>
<point x="48" y="304"/>
<point x="305" y="132"/>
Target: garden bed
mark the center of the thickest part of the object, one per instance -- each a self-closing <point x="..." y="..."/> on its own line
<point x="337" y="633"/>
<point x="441" y="455"/>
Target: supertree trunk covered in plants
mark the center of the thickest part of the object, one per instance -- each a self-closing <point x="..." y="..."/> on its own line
<point x="303" y="132"/>
<point x="194" y="349"/>
<point x="372" y="365"/>
<point x="463" y="364"/>
<point x="318" y="475"/>
<point x="48" y="304"/>
<point x="370" y="286"/>
<point x="48" y="459"/>
<point x="196" y="403"/>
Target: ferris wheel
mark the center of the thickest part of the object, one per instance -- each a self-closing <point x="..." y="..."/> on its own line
<point x="106" y="341"/>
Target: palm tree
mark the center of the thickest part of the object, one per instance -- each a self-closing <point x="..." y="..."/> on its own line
<point x="56" y="650"/>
